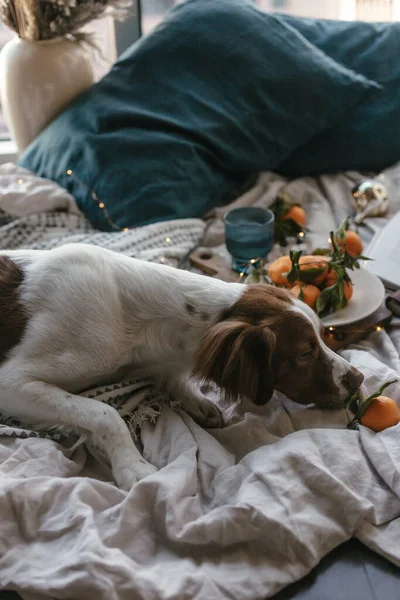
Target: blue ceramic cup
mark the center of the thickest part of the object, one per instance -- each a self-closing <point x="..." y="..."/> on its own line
<point x="249" y="235"/>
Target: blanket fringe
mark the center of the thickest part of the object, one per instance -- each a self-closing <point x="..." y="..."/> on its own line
<point x="149" y="410"/>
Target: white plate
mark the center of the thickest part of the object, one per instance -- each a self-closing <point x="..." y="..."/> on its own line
<point x="368" y="295"/>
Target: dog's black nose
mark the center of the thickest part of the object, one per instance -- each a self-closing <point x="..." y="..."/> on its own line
<point x="353" y="379"/>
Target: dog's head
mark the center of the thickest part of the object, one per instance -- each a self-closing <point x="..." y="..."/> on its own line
<point x="268" y="340"/>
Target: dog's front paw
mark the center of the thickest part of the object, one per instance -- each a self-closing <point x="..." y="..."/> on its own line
<point x="208" y="415"/>
<point x="126" y="476"/>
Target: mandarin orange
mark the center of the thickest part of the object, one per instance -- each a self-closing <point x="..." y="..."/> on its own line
<point x="309" y="292"/>
<point x="276" y="270"/>
<point x="297" y="214"/>
<point x="309" y="262"/>
<point x="348" y="290"/>
<point x="381" y="413"/>
<point x="352" y="243"/>
<point x="330" y="279"/>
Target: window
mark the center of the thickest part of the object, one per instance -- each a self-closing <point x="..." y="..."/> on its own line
<point x="375" y="10"/>
<point x="153" y="11"/>
<point x="104" y="38"/>
<point x="5" y="35"/>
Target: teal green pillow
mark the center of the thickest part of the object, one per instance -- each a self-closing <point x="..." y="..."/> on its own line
<point x="218" y="91"/>
<point x="366" y="138"/>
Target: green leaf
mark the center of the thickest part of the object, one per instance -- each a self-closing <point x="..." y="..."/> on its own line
<point x="294" y="273"/>
<point x="309" y="275"/>
<point x="323" y="304"/>
<point x="341" y="230"/>
<point x="362" y="257"/>
<point x="321" y="252"/>
<point x="335" y="249"/>
<point x="282" y="205"/>
<point x="329" y="300"/>
<point x="278" y="208"/>
<point x="341" y="297"/>
<point x="346" y="277"/>
<point x="353" y="398"/>
<point x="339" y="270"/>
<point x="383" y="388"/>
<point x="253" y="278"/>
<point x="353" y="424"/>
<point x="285" y="229"/>
<point x="295" y="256"/>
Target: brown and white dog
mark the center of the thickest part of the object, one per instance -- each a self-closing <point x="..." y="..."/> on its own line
<point x="81" y="316"/>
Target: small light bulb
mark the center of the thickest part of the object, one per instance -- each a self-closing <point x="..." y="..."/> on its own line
<point x="329" y="240"/>
<point x="101" y="205"/>
<point x="125" y="229"/>
<point x="331" y="329"/>
<point x="162" y="259"/>
<point x="69" y="172"/>
<point x="301" y="234"/>
<point x="168" y="240"/>
<point x="379" y="328"/>
<point x="20" y="181"/>
<point x="253" y="260"/>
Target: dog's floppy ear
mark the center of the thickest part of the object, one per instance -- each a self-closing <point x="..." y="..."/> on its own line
<point x="237" y="357"/>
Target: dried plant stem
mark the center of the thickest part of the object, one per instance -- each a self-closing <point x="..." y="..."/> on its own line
<point x="31" y="20"/>
<point x="36" y="20"/>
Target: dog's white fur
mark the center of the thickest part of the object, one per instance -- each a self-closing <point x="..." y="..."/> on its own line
<point x="93" y="316"/>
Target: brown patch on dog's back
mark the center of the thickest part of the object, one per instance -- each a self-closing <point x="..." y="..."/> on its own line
<point x="12" y="316"/>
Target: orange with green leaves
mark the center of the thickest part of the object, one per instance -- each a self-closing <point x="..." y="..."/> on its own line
<point x="377" y="412"/>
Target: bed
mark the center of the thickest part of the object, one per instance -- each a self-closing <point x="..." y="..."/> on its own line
<point x="246" y="511"/>
<point x="240" y="512"/>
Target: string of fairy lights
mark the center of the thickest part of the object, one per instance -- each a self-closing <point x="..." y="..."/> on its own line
<point x="99" y="202"/>
<point x="102" y="206"/>
<point x="335" y="333"/>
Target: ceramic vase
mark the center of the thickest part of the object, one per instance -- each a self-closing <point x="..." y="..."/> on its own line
<point x="37" y="81"/>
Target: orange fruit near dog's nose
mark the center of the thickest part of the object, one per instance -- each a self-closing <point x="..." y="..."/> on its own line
<point x="381" y="413"/>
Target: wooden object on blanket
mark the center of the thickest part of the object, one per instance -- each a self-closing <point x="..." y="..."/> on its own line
<point x="210" y="263"/>
<point x="217" y="266"/>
